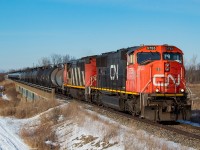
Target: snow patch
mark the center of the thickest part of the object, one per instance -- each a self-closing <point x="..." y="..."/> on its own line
<point x="105" y="133"/>
<point x="51" y="143"/>
<point x="4" y="97"/>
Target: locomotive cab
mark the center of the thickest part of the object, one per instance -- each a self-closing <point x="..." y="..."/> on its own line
<point x="157" y="74"/>
<point x="155" y="69"/>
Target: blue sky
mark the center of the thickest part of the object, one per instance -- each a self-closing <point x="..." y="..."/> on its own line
<point x="31" y="29"/>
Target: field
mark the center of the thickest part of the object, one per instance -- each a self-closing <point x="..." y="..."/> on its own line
<point x="195" y="96"/>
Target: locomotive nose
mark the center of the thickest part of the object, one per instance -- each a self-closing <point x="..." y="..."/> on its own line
<point x="168" y="79"/>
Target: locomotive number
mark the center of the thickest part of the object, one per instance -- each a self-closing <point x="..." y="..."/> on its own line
<point x="113" y="72"/>
<point x="166" y="82"/>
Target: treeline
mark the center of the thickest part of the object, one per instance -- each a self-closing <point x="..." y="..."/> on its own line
<point x="53" y="60"/>
<point x="192" y="71"/>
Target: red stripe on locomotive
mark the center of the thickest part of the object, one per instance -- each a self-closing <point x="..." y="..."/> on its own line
<point x="90" y="72"/>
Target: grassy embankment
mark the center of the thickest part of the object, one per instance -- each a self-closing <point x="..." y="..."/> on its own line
<point x="15" y="107"/>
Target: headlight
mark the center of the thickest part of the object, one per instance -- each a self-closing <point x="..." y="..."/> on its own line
<point x="182" y="90"/>
<point x="157" y="90"/>
<point x="167" y="69"/>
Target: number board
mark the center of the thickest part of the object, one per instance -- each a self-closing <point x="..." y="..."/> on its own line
<point x="151" y="47"/>
<point x="169" y="48"/>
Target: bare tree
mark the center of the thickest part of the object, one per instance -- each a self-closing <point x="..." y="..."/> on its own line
<point x="56" y="59"/>
<point x="198" y="66"/>
<point x="44" y="61"/>
<point x="11" y="70"/>
<point x="66" y="58"/>
<point x="191" y="70"/>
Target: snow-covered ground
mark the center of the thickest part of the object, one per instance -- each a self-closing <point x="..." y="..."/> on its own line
<point x="104" y="133"/>
<point x="93" y="131"/>
<point x="9" y="135"/>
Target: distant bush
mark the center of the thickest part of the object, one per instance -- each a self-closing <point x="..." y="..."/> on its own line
<point x="2" y="77"/>
<point x="8" y="107"/>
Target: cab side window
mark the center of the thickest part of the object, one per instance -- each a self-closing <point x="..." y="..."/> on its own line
<point x="131" y="59"/>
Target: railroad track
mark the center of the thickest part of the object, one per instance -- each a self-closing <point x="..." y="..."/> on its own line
<point x="43" y="88"/>
<point x="62" y="98"/>
<point x="190" y="126"/>
<point x="171" y="128"/>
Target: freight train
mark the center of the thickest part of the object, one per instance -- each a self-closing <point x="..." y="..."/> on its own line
<point x="147" y="81"/>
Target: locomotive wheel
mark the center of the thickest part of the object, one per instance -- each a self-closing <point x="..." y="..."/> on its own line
<point x="88" y="98"/>
<point x="67" y="92"/>
<point x="130" y="107"/>
<point x="122" y="104"/>
<point x="80" y="95"/>
<point x="63" y="92"/>
<point x="98" y="98"/>
<point x="157" y="115"/>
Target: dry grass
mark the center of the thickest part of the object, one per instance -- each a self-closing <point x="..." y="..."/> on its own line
<point x="111" y="132"/>
<point x="23" y="109"/>
<point x="8" y="108"/>
<point x="29" y="109"/>
<point x="71" y="110"/>
<point x="196" y="105"/>
<point x="10" y="91"/>
<point x="195" y="88"/>
<point x="37" y="137"/>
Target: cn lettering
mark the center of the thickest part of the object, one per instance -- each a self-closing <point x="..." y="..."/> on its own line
<point x="114" y="72"/>
<point x="165" y="81"/>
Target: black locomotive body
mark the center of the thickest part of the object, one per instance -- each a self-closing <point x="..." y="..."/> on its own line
<point x="111" y="70"/>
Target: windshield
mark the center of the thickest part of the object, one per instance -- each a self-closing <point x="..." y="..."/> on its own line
<point x="147" y="57"/>
<point x="173" y="56"/>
